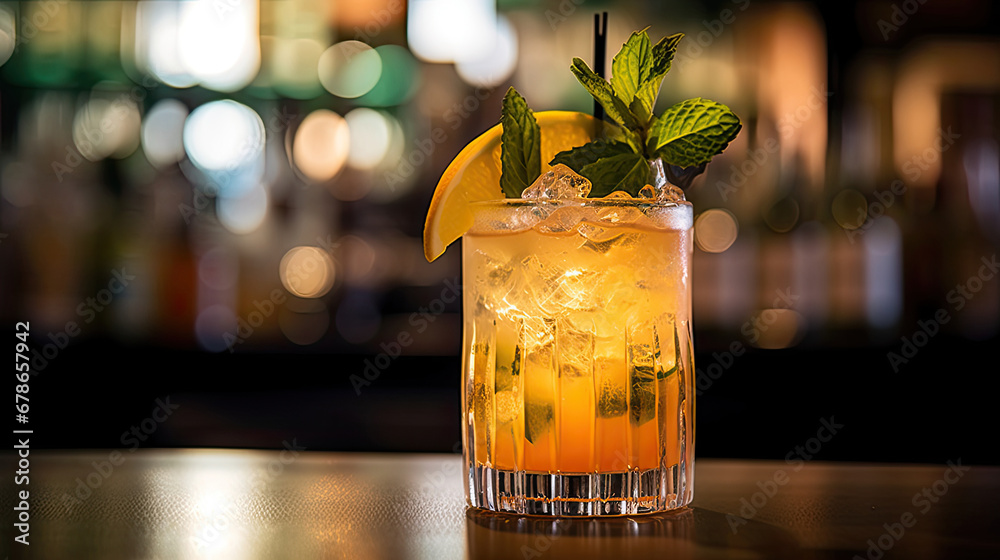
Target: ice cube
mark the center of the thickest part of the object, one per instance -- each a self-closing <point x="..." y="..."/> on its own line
<point x="558" y="182"/>
<point x="560" y="221"/>
<point x="598" y="234"/>
<point x="528" y="217"/>
<point x="576" y="348"/>
<point x="621" y="212"/>
<point x="566" y="290"/>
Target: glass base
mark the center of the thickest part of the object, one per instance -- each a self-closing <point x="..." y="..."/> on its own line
<point x="580" y="495"/>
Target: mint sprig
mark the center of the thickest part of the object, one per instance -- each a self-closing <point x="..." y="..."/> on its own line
<point x="686" y="136"/>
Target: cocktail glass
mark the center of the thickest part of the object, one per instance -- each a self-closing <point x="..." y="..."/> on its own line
<point x="578" y="394"/>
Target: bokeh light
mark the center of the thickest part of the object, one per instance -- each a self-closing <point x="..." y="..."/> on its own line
<point x="8" y="37"/>
<point x="294" y="65"/>
<point x="357" y="257"/>
<point x="350" y="191"/>
<point x="157" y="51"/>
<point x="349" y="69"/>
<point x="715" y="230"/>
<point x="215" y="44"/>
<point x="371" y="135"/>
<point x="106" y="127"/>
<point x="451" y="30"/>
<point x="783" y="215"/>
<point x="163" y="132"/>
<point x="393" y="184"/>
<point x="243" y="212"/>
<point x="398" y="81"/>
<point x="495" y="68"/>
<point x="223" y="135"/>
<point x="307" y="272"/>
<point x="218" y="42"/>
<point x="849" y="209"/>
<point x="779" y="328"/>
<point x="321" y="145"/>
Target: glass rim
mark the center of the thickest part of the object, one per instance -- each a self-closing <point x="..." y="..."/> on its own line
<point x="581" y="203"/>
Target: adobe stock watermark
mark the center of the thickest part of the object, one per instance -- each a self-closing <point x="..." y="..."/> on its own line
<point x="914" y="168"/>
<point x="436" y="480"/>
<point x="867" y="216"/>
<point x="28" y="27"/>
<point x="787" y="125"/>
<point x="88" y="311"/>
<point x="424" y="148"/>
<point x="752" y="329"/>
<point x="543" y="539"/>
<point x="563" y="11"/>
<point x="102" y="470"/>
<point x="694" y="45"/>
<point x="796" y="458"/>
<point x="434" y="483"/>
<point x="923" y="501"/>
<point x="759" y="323"/>
<point x="900" y="14"/>
<point x="378" y="20"/>
<point x="90" y="137"/>
<point x="420" y="320"/>
<point x="221" y="520"/>
<point x="958" y="297"/>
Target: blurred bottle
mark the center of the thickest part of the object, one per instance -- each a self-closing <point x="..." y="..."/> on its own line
<point x="967" y="205"/>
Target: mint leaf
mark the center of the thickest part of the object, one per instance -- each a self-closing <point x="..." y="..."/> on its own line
<point x="691" y="132"/>
<point x="520" y="146"/>
<point x="538" y="419"/>
<point x="643" y="112"/>
<point x="631" y="66"/>
<point x="604" y="94"/>
<point x="663" y="55"/>
<point x="590" y="152"/>
<point x="642" y="397"/>
<point x="627" y="172"/>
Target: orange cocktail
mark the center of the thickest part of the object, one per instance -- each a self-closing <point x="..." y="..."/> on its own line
<point x="578" y="388"/>
<point x="577" y="364"/>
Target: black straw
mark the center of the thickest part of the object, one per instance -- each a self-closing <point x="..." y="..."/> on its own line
<point x="600" y="53"/>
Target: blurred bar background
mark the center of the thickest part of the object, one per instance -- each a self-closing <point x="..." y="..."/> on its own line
<point x="222" y="201"/>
